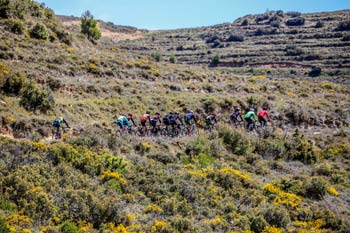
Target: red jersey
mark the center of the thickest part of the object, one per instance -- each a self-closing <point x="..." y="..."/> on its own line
<point x="264" y="113"/>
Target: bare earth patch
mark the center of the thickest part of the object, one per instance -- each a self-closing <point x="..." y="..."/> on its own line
<point x="114" y="36"/>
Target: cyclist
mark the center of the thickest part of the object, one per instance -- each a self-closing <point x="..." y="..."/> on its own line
<point x="261" y="116"/>
<point x="190" y="120"/>
<point x="166" y="121"/>
<point x="175" y="121"/>
<point x="143" y="130"/>
<point x="130" y="118"/>
<point x="146" y="117"/>
<point x="235" y="115"/>
<point x="58" y="124"/>
<point x="154" y="122"/>
<point x="250" y="118"/>
<point x="211" y="121"/>
<point x="123" y="122"/>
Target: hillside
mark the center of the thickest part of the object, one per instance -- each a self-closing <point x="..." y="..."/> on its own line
<point x="292" y="176"/>
<point x="288" y="42"/>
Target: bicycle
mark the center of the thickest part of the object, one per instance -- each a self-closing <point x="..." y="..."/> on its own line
<point x="58" y="133"/>
<point x="155" y="131"/>
<point x="236" y="123"/>
<point x="190" y="130"/>
<point x="143" y="131"/>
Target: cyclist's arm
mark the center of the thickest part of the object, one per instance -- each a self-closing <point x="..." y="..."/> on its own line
<point x="268" y="116"/>
<point x="133" y="122"/>
<point x="66" y="123"/>
<point x="160" y="121"/>
<point x="255" y="117"/>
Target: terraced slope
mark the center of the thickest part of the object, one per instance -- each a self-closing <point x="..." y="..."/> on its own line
<point x="260" y="41"/>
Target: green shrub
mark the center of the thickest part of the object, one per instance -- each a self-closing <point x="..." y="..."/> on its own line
<point x="54" y="84"/>
<point x="89" y="26"/>
<point x="315" y="71"/>
<point x="301" y="149"/>
<point x="245" y="22"/>
<point x="209" y="104"/>
<point x="292" y="50"/>
<point x="319" y="24"/>
<point x="197" y="146"/>
<point x="235" y="141"/>
<point x="276" y="216"/>
<point x="3" y="227"/>
<point x="156" y="56"/>
<point x="7" y="206"/>
<point x="346" y="37"/>
<point x="252" y="101"/>
<point x="181" y="224"/>
<point x="343" y="26"/>
<point x="39" y="31"/>
<point x="14" y="83"/>
<point x="15" y="26"/>
<point x="316" y="188"/>
<point x="270" y="148"/>
<point x="298" y="21"/>
<point x="235" y="38"/>
<point x="69" y="227"/>
<point x="172" y="59"/>
<point x="35" y="98"/>
<point x="215" y="60"/>
<point x="258" y="224"/>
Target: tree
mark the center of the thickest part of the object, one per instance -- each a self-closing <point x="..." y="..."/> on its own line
<point x="89" y="26"/>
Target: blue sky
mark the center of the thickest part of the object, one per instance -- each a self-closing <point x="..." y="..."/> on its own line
<point x="165" y="14"/>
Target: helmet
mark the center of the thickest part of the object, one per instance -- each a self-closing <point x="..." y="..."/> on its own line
<point x="238" y="109"/>
<point x="251" y="109"/>
<point x="129" y="114"/>
<point x="190" y="111"/>
<point x="157" y="113"/>
<point x="171" y="113"/>
<point x="177" y="113"/>
<point x="265" y="108"/>
<point x="148" y="112"/>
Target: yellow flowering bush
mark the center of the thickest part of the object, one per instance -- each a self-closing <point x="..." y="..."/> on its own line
<point x="18" y="223"/>
<point x="272" y="230"/>
<point x="198" y="173"/>
<point x="332" y="191"/>
<point x="48" y="229"/>
<point x="158" y="226"/>
<point x="282" y="197"/>
<point x="153" y="209"/>
<point x="39" y="146"/>
<point x="111" y="228"/>
<point x="231" y="171"/>
<point x="215" y="221"/>
<point x="311" y="225"/>
<point x="108" y="175"/>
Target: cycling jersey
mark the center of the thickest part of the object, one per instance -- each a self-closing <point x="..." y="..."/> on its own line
<point x="122" y="121"/>
<point x="189" y="118"/>
<point x="264" y="113"/>
<point x="249" y="115"/>
<point x="155" y="120"/>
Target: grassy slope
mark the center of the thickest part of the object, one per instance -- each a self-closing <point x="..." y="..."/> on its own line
<point x="194" y="185"/>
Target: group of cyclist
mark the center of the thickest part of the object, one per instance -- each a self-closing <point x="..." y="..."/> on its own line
<point x="172" y="121"/>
